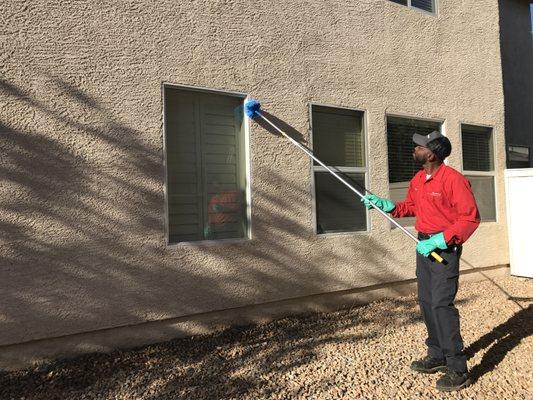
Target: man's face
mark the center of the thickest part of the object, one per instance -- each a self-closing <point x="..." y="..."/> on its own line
<point x="421" y="154"/>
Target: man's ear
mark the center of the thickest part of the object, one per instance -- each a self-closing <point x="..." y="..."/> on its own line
<point x="432" y="157"/>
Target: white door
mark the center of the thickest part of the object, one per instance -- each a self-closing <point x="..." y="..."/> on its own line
<point x="519" y="192"/>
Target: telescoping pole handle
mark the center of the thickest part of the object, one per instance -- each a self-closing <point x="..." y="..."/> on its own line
<point x="342" y="180"/>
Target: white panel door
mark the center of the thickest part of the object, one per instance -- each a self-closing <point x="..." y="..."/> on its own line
<point x="519" y="192"/>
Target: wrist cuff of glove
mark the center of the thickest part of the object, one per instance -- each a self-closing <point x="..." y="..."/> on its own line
<point x="439" y="241"/>
<point x="389" y="207"/>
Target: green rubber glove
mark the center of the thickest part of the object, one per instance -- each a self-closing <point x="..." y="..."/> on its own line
<point x="425" y="247"/>
<point x="383" y="204"/>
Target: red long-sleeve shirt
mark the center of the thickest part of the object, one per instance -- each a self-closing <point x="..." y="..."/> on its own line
<point x="442" y="203"/>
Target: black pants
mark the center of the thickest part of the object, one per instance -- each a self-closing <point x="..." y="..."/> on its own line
<point x="437" y="287"/>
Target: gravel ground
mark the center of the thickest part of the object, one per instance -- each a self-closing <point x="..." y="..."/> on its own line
<point x="360" y="353"/>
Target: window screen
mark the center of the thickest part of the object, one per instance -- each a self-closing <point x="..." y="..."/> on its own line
<point x="338" y="141"/>
<point x="478" y="161"/>
<point x="204" y="137"/>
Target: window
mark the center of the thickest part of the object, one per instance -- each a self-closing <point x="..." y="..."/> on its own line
<point x="518" y="157"/>
<point x="338" y="141"/>
<point x="400" y="148"/>
<point x="425" y="5"/>
<point x="205" y="166"/>
<point x="478" y="167"/>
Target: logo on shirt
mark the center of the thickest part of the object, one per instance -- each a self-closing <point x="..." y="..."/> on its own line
<point x="435" y="194"/>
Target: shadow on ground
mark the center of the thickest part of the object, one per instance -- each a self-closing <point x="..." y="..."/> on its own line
<point x="502" y="339"/>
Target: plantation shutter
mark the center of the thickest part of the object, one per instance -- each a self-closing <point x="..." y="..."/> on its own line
<point x="184" y="161"/>
<point x="205" y="166"/>
<point x="224" y="180"/>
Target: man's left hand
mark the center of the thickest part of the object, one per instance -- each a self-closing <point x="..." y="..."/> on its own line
<point x="425" y="247"/>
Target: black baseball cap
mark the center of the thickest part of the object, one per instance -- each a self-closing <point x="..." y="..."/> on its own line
<point x="435" y="141"/>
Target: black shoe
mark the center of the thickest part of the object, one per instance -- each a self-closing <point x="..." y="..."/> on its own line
<point x="452" y="380"/>
<point x="429" y="365"/>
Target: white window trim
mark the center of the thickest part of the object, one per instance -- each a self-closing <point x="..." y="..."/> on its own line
<point x="484" y="173"/>
<point x="202" y="243"/>
<point x="319" y="168"/>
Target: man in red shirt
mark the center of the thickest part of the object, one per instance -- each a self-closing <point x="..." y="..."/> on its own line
<point x="446" y="215"/>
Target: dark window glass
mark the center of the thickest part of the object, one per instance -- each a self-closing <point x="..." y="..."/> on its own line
<point x="400" y="146"/>
<point x="338" y="209"/>
<point x="483" y="188"/>
<point x="518" y="157"/>
<point x="338" y="141"/>
<point x="338" y="136"/>
<point x="477" y="148"/>
<point x="478" y="156"/>
<point x="426" y="5"/>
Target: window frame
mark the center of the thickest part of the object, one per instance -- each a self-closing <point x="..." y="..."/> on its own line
<point x="441" y="121"/>
<point x="319" y="168"/>
<point x="247" y="170"/>
<point x="530" y="158"/>
<point x="483" y="173"/>
<point x="434" y="13"/>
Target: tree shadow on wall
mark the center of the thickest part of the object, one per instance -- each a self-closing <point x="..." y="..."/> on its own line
<point x="82" y="230"/>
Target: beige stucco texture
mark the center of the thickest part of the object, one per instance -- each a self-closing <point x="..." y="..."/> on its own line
<point x="82" y="241"/>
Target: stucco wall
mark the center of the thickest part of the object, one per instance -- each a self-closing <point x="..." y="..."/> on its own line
<point x="82" y="206"/>
<point x="517" y="65"/>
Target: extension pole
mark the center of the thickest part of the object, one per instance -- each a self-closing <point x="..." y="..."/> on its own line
<point x="341" y="179"/>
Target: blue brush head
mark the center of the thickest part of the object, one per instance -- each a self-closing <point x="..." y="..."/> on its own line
<point x="251" y="107"/>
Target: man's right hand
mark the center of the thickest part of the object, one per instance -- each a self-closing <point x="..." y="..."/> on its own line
<point x="383" y="204"/>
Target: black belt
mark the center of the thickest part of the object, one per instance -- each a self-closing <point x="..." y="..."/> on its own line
<point x="424" y="236"/>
